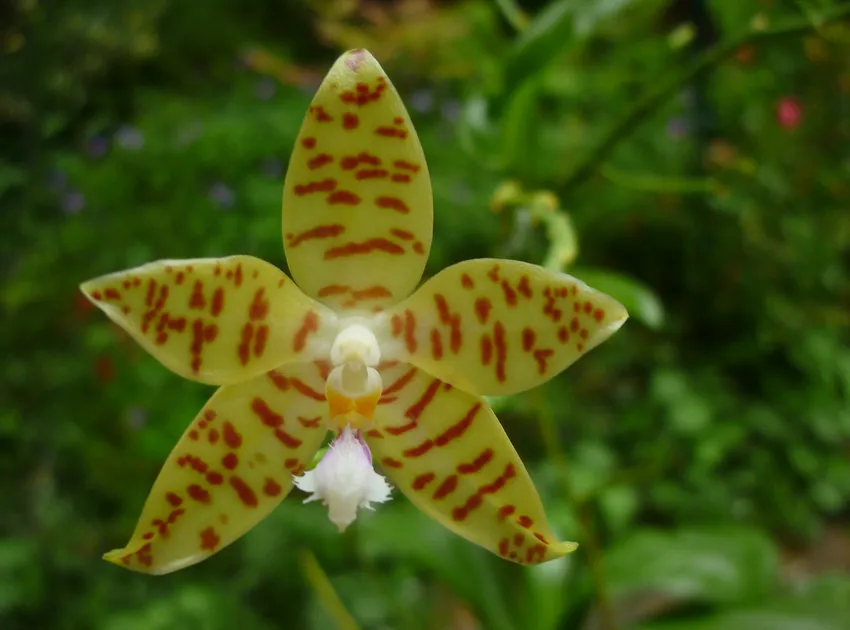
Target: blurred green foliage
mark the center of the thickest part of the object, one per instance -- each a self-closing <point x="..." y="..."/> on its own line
<point x="690" y="158"/>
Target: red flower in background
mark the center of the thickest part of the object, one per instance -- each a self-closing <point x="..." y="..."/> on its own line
<point x="789" y="112"/>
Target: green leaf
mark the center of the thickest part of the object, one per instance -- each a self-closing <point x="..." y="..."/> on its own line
<point x="639" y="300"/>
<point x="546" y="36"/>
<point x="728" y="565"/>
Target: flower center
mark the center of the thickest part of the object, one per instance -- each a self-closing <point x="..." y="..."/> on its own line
<point x="354" y="386"/>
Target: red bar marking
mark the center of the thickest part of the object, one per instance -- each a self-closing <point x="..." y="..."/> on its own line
<point x="475" y="501"/>
<point x="436" y="344"/>
<point x="350" y="162"/>
<point x="408" y="166"/>
<point x="452" y="321"/>
<point x="326" y="185"/>
<point x="231" y="436"/>
<point x="525" y="521"/>
<point x="466" y="281"/>
<point x="541" y="538"/>
<point x="198" y="493"/>
<point x="344" y="197"/>
<point x="350" y="121"/>
<point x="486" y="349"/>
<point x="259" y="307"/>
<point x="574" y="324"/>
<point x="477" y="464"/>
<point x="287" y="439"/>
<point x="505" y="511"/>
<point x="217" y="302"/>
<point x="482" y="309"/>
<point x="401" y="382"/>
<point x="423" y="480"/>
<point x="510" y="294"/>
<point x="260" y="340"/>
<point x="230" y="461"/>
<point x="448" y="486"/>
<point x="371" y="173"/>
<point x="333" y="289"/>
<point x="244" y="349"/>
<point x="264" y="412"/>
<point x="563" y="334"/>
<point x="112" y="294"/>
<point x="391" y="132"/>
<point x="371" y="293"/>
<point x="420" y="450"/>
<point x="393" y="203"/>
<point x="305" y="390"/>
<point x="542" y="356"/>
<point x="493" y="274"/>
<point x="401" y="178"/>
<point x="272" y="488"/>
<point x="209" y="539"/>
<point x="308" y="143"/>
<point x="528" y="338"/>
<point x="374" y="433"/>
<point x="237" y="275"/>
<point x="366" y="247"/>
<point x="404" y="428"/>
<point x="279" y="380"/>
<point x="504" y="546"/>
<point x="524" y="288"/>
<point x="457" y="430"/>
<point x="243" y="491"/>
<point x="310" y="423"/>
<point x="519" y="539"/>
<point x="291" y="463"/>
<point x="417" y="408"/>
<point x="173" y="499"/>
<point x="402" y="234"/>
<point x="319" y="161"/>
<point x="501" y="350"/>
<point x="389" y="462"/>
<point x="310" y="324"/>
<point x="398" y="120"/>
<point x="397" y="325"/>
<point x="151" y="291"/>
<point x="409" y="329"/>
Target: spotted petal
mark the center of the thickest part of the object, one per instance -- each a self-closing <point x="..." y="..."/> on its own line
<point x="213" y="320"/>
<point x="233" y="466"/>
<point x="446" y="451"/>
<point x="497" y="327"/>
<point x="357" y="207"/>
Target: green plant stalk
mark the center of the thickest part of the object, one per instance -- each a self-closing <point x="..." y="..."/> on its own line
<point x="589" y="541"/>
<point x="325" y="591"/>
<point x="513" y="14"/>
<point x="702" y="63"/>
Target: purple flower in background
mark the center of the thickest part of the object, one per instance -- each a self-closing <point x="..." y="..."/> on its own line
<point x="73" y="202"/>
<point x="221" y="195"/>
<point x="677" y="128"/>
<point x="265" y="89"/>
<point x="272" y="168"/>
<point x="422" y="101"/>
<point x="97" y="146"/>
<point x="129" y="138"/>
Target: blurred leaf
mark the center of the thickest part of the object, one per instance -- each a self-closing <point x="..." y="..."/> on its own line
<point x="712" y="566"/>
<point x="549" y="593"/>
<point x="639" y="300"/>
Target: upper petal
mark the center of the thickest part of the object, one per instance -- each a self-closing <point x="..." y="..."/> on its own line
<point x="214" y="320"/>
<point x="232" y="467"/>
<point x="357" y="207"/>
<point x="498" y="327"/>
<point x="446" y="451"/>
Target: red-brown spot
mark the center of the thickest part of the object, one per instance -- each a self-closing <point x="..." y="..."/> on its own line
<point x="321" y="114"/>
<point x="563" y="334"/>
<point x="279" y="380"/>
<point x="290" y="463"/>
<point x="409" y="329"/>
<point x="519" y="539"/>
<point x="505" y="511"/>
<point x="599" y="315"/>
<point x="111" y="294"/>
<point x="501" y="350"/>
<point x="419" y="450"/>
<point x="398" y="120"/>
<point x="266" y="415"/>
<point x="389" y="462"/>
<point x="232" y="437"/>
<point x="466" y="281"/>
<point x="173" y="499"/>
<point x="260" y="340"/>
<point x="486" y="349"/>
<point x="215" y="478"/>
<point x="148" y="535"/>
<point x="418" y="247"/>
<point x="287" y="439"/>
<point x="393" y="203"/>
<point x="397" y="325"/>
<point x="391" y="132"/>
<point x="319" y="161"/>
<point x="308" y="143"/>
<point x="371" y="293"/>
<point x="504" y="546"/>
<point x="320" y="231"/>
<point x="482" y="309"/>
<point x="542" y="356"/>
<point x="333" y="289"/>
<point x="143" y="555"/>
<point x="193" y="435"/>
<point x="423" y="480"/>
<point x="477" y="464"/>
<point x="510" y="294"/>
<point x="244" y="349"/>
<point x="493" y="274"/>
<point x="198" y="493"/>
<point x="350" y="121"/>
<point x="528" y="338"/>
<point x="401" y="178"/>
<point x="448" y="486"/>
<point x="458" y="429"/>
<point x="217" y="302"/>
<point x="525" y="521"/>
<point x="436" y="344"/>
<point x="243" y="491"/>
<point x="402" y="234"/>
<point x="272" y="488"/>
<point x="310" y="324"/>
<point x="325" y="185"/>
<point x="583" y="334"/>
<point x="209" y="539"/>
<point x="588" y="307"/>
<point x="541" y="538"/>
<point x="197" y="299"/>
<point x="417" y="408"/>
<point x="524" y="287"/>
<point x="259" y="307"/>
<point x="408" y="166"/>
<point x="230" y="461"/>
<point x="574" y="324"/>
<point x="371" y="173"/>
<point x="366" y="247"/>
<point x="178" y="324"/>
<point x="237" y="275"/>
<point x="310" y="423"/>
<point x="344" y="197"/>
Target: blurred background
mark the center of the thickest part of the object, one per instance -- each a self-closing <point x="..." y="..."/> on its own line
<point x="690" y="157"/>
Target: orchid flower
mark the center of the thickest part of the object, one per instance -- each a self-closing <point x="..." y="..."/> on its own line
<point x="399" y="377"/>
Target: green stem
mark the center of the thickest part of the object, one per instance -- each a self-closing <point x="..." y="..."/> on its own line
<point x="647" y="104"/>
<point x="325" y="591"/>
<point x="513" y="14"/>
<point x="589" y="541"/>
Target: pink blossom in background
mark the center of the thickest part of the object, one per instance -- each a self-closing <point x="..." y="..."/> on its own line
<point x="789" y="112"/>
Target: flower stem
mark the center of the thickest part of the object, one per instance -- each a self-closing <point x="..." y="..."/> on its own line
<point x="325" y="591"/>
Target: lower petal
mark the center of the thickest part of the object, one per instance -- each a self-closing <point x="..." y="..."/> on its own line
<point x="230" y="469"/>
<point x="447" y="452"/>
